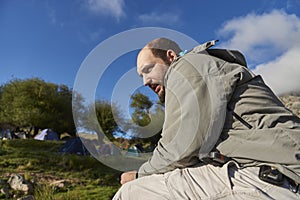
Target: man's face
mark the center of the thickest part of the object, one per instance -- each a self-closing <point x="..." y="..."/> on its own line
<point x="152" y="69"/>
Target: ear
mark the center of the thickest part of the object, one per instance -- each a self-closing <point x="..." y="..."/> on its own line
<point x="171" y="55"/>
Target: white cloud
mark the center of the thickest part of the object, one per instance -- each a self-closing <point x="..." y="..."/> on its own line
<point x="272" y="42"/>
<point x="159" y="18"/>
<point x="113" y="8"/>
<point x="283" y="73"/>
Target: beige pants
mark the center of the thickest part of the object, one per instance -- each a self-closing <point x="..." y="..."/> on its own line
<point x="205" y="182"/>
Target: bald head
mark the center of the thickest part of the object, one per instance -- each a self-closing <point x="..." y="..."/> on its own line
<point x="164" y="44"/>
<point x="160" y="46"/>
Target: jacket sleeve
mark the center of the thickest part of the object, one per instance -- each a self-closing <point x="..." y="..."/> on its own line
<point x="192" y="113"/>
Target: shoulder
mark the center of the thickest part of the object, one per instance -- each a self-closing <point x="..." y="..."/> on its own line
<point x="196" y="64"/>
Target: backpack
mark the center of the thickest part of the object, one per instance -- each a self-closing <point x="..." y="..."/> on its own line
<point x="231" y="56"/>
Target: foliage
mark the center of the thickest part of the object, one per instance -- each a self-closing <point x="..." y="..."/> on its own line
<point x="109" y="117"/>
<point x="141" y="105"/>
<point x="36" y="103"/>
<point x="45" y="192"/>
<point x="148" y="123"/>
<point x="107" y="120"/>
<point x="141" y="102"/>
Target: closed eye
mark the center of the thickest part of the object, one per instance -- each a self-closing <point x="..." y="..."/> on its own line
<point x="147" y="68"/>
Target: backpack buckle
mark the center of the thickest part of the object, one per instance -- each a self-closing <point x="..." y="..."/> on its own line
<point x="215" y="158"/>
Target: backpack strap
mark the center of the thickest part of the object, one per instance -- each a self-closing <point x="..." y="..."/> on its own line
<point x="204" y="46"/>
<point x="232" y="56"/>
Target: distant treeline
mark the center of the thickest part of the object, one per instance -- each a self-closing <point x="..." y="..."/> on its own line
<point x="36" y="104"/>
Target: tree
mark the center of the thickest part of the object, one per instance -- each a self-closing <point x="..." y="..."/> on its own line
<point x="35" y="103"/>
<point x="108" y="115"/>
<point x="148" y="123"/>
<point x="108" y="121"/>
<point x="141" y="105"/>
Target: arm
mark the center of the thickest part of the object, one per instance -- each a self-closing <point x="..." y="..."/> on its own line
<point x="188" y="118"/>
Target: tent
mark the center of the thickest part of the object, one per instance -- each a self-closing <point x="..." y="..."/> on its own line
<point x="73" y="146"/>
<point x="5" y="135"/>
<point x="47" y="134"/>
<point x="133" y="151"/>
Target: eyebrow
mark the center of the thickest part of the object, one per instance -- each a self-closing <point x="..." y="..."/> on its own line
<point x="144" y="67"/>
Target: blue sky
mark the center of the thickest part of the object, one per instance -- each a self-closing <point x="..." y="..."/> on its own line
<point x="50" y="39"/>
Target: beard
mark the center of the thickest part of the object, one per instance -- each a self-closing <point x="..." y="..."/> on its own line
<point x="161" y="95"/>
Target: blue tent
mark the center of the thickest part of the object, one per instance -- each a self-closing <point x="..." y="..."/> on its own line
<point x="73" y="146"/>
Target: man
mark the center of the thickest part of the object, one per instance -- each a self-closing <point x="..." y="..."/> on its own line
<point x="225" y="135"/>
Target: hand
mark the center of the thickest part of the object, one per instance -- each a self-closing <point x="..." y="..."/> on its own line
<point x="128" y="176"/>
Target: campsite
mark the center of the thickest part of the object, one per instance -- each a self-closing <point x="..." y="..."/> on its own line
<point x="63" y="169"/>
<point x="55" y="170"/>
<point x="77" y="110"/>
<point x="46" y="155"/>
<point x="60" y="166"/>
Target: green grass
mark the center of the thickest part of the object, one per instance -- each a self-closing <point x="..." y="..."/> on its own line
<point x="39" y="162"/>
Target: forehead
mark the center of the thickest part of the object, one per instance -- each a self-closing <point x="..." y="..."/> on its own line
<point x="145" y="56"/>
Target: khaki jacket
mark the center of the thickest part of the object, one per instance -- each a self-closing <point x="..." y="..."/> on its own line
<point x="202" y="92"/>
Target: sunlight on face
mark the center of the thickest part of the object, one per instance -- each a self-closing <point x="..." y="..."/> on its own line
<point x="152" y="69"/>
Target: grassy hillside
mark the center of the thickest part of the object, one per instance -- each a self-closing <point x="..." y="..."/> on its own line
<point x="39" y="162"/>
<point x="84" y="177"/>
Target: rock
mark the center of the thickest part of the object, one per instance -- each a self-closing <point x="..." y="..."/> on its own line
<point x="17" y="182"/>
<point x="59" y="183"/>
<point x="28" y="197"/>
<point x="5" y="191"/>
<point x="292" y="103"/>
<point x="296" y="105"/>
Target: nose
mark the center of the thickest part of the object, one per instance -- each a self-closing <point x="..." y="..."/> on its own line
<point x="146" y="80"/>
